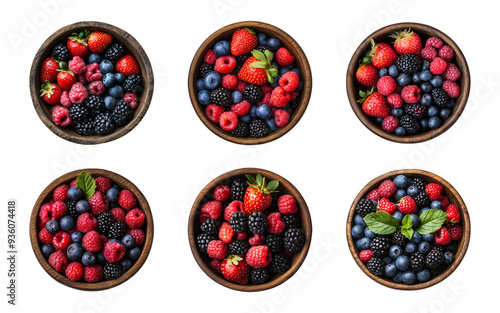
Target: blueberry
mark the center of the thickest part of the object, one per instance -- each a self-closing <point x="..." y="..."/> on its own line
<point x="134" y="253"/>
<point x="369" y="233"/>
<point x="426" y="76"/>
<point x="416" y="78"/>
<point x="77" y="237"/>
<point x="388" y="260"/>
<point x="424" y="275"/>
<point x="393" y="71"/>
<point x="116" y="91"/>
<point x="383" y="72"/>
<point x="222" y="48"/>
<point x="434" y="122"/>
<point x="398" y="215"/>
<point x="400" y="131"/>
<point x="451" y="103"/>
<point x="272" y="124"/>
<point x="358" y="220"/>
<point x="120" y="78"/>
<point x="425" y="87"/>
<point x="236" y="96"/>
<point x="110" y="102"/>
<point x="262" y="39"/>
<point x="398" y="278"/>
<point x="247" y="118"/>
<point x="126" y="264"/>
<point x="89" y="259"/>
<point x="436" y="205"/>
<point x="416" y="238"/>
<point x="357" y="231"/>
<point x="67" y="223"/>
<point x="400" y="193"/>
<point x="288" y="109"/>
<point x="410" y="247"/>
<point x="391" y="270"/>
<point x="395" y="251"/>
<point x="428" y="237"/>
<point x="204" y="97"/>
<point x="82" y="206"/>
<point x="106" y="66"/>
<point x="412" y="191"/>
<point x="112" y="194"/>
<point x="426" y="99"/>
<point x="109" y="80"/>
<point x="199" y="84"/>
<point x="452" y="247"/>
<point x="432" y="111"/>
<point x="402" y="262"/>
<point x="52" y="226"/>
<point x="299" y="74"/>
<point x="128" y="241"/>
<point x="436" y="81"/>
<point x="409" y="277"/>
<point x="424" y="123"/>
<point x="379" y="120"/>
<point x="274" y="43"/>
<point x="47" y="250"/>
<point x="100" y="258"/>
<point x="403" y="79"/>
<point x="444" y="113"/>
<point x="75" y="193"/>
<point x="401" y="181"/>
<point x="424" y="247"/>
<point x="115" y="240"/>
<point x="253" y="111"/>
<point x="448" y="257"/>
<point x="415" y="220"/>
<point x="74" y="251"/>
<point x="397" y="112"/>
<point x="284" y="69"/>
<point x="212" y="80"/>
<point x="426" y="64"/>
<point x="94" y="58"/>
<point x="264" y="111"/>
<point x="363" y="243"/>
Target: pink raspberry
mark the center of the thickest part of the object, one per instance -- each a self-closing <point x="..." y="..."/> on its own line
<point x="126" y="199"/>
<point x="390" y="123"/>
<point x="225" y="64"/>
<point x="93" y="274"/>
<point x="259" y="256"/>
<point x="229" y="82"/>
<point x="434" y="42"/>
<point x="289" y="81"/>
<point x="93" y="73"/>
<point x="281" y="118"/>
<point x="410" y="94"/>
<point x="103" y="184"/>
<point x="73" y="183"/>
<point x="78" y="93"/>
<point x="61" y="193"/>
<point x="455" y="231"/>
<point x="65" y="101"/>
<point x="135" y="218"/>
<point x="60" y="116"/>
<point x="45" y="213"/>
<point x="45" y="237"/>
<point x="81" y="78"/>
<point x="215" y="264"/>
<point x="386" y="85"/>
<point x="58" y="210"/>
<point x="266" y="99"/>
<point x="287" y="204"/>
<point x="214" y="112"/>
<point x="210" y="57"/>
<point x="92" y="241"/>
<point x="228" y="121"/>
<point x="86" y="223"/>
<point x="58" y="260"/>
<point x="387" y="188"/>
<point x="446" y="53"/>
<point x="61" y="240"/>
<point x="113" y="251"/>
<point x="429" y="53"/>
<point x="365" y="255"/>
<point x="256" y="240"/>
<point x="212" y="209"/>
<point x="451" y="88"/>
<point x="266" y="88"/>
<point x="241" y="109"/>
<point x="241" y="86"/>
<point x="235" y="206"/>
<point x="118" y="214"/>
<point x="275" y="223"/>
<point x="217" y="249"/>
<point x="98" y="203"/>
<point x="373" y="195"/>
<point x="395" y="100"/>
<point x="438" y="66"/>
<point x="77" y="65"/>
<point x="241" y="236"/>
<point x="451" y="73"/>
<point x="279" y="97"/>
<point x="74" y="271"/>
<point x="284" y="57"/>
<point x="132" y="98"/>
<point x="138" y="235"/>
<point x="96" y="87"/>
<point x="221" y="193"/>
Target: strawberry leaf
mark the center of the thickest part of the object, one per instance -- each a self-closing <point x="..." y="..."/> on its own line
<point x="269" y="77"/>
<point x="273" y="72"/>
<point x="381" y="223"/>
<point x="272" y="185"/>
<point x="269" y="56"/>
<point x="431" y="220"/>
<point x="259" y="179"/>
<point x="251" y="180"/>
<point x="86" y="183"/>
<point x="259" y="55"/>
<point x="258" y="64"/>
<point x="250" y="30"/>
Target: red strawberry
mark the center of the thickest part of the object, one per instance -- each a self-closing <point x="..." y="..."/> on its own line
<point x="49" y="70"/>
<point x="65" y="78"/>
<point x="258" y="194"/>
<point x="453" y="214"/>
<point x="257" y="69"/>
<point x="128" y="65"/>
<point x="386" y="205"/>
<point x="50" y="93"/>
<point x="226" y="233"/>
<point x="374" y="104"/>
<point x="244" y="40"/>
<point x="235" y="269"/>
<point x="367" y="75"/>
<point x="77" y="44"/>
<point x="382" y="55"/>
<point x="407" y="42"/>
<point x="407" y="205"/>
<point x="99" y="41"/>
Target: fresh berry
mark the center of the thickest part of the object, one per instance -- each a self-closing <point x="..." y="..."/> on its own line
<point x="407" y="41"/>
<point x="78" y="93"/>
<point x="135" y="218"/>
<point x="58" y="261"/>
<point x="235" y="269"/>
<point x="293" y="240"/>
<point x="409" y="63"/>
<point x="116" y="230"/>
<point x="375" y="265"/>
<point x="453" y="214"/>
<point x="410" y="124"/>
<point x="438" y="66"/>
<point x="77" y="44"/>
<point x="212" y="209"/>
<point x="442" y="236"/>
<point x="98" y="203"/>
<point x="228" y="121"/>
<point x="50" y="93"/>
<point x="113" y="251"/>
<point x="86" y="223"/>
<point x="386" y="85"/>
<point x="239" y="247"/>
<point x="365" y="207"/>
<point x="127" y="199"/>
<point x="375" y="105"/>
<point x="455" y="232"/>
<point x="93" y="274"/>
<point x="446" y="53"/>
<point x="382" y="55"/>
<point x="451" y="88"/>
<point x="275" y="223"/>
<point x="258" y="195"/>
<point x="257" y="75"/>
<point x="452" y="72"/>
<point x="411" y="94"/>
<point x="61" y="53"/>
<point x="258" y="256"/>
<point x="287" y="204"/>
<point x="259" y="276"/>
<point x="365" y="255"/>
<point x="395" y="100"/>
<point x="367" y="75"/>
<point x="390" y="123"/>
<point x="434" y="259"/>
<point x="386" y="205"/>
<point x="374" y="195"/>
<point x="92" y="241"/>
<point x="225" y="64"/>
<point x="238" y="222"/>
<point x="289" y="81"/>
<point x="434" y="191"/>
<point x="226" y="233"/>
<point x="243" y="40"/>
<point x="112" y="271"/>
<point x="434" y="42"/>
<point x="387" y="188"/>
<point x="280" y="264"/>
<point x="215" y="264"/>
<point x="217" y="249"/>
<point x="214" y="112"/>
<point x="407" y="205"/>
<point x="128" y="65"/>
<point x="99" y="41"/>
<point x="284" y="57"/>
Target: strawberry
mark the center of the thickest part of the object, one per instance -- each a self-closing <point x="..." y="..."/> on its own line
<point x="99" y="41"/>
<point x="374" y="104"/>
<point x="367" y="75"/>
<point x="257" y="69"/>
<point x="235" y="269"/>
<point x="386" y="205"/>
<point x="258" y="194"/>
<point x="407" y="205"/>
<point x="77" y="44"/>
<point x="65" y="78"/>
<point x="407" y="42"/>
<point x="49" y="70"/>
<point x="244" y="40"/>
<point x="453" y="214"/>
<point x="226" y="233"/>
<point x="128" y="65"/>
<point x="382" y="55"/>
<point x="51" y="93"/>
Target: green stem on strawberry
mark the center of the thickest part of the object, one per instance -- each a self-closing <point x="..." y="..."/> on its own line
<point x="264" y="63"/>
<point x="64" y="68"/>
<point x="259" y="183"/>
<point x="80" y="37"/>
<point x="365" y="94"/>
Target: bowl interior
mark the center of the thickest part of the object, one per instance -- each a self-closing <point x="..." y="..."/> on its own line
<point x="288" y="42"/>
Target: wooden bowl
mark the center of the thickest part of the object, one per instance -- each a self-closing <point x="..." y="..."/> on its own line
<point x="124" y="183"/>
<point x="134" y="48"/>
<point x="288" y="42"/>
<point x="285" y="187"/>
<point x="425" y="32"/>
<point x="448" y="191"/>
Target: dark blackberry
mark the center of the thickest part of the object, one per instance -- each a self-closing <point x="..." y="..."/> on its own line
<point x="398" y="238"/>
<point x="291" y="220"/>
<point x="122" y="113"/>
<point x="294" y="239"/>
<point x="259" y="276"/>
<point x="241" y="59"/>
<point x="78" y="113"/>
<point x="238" y="188"/>
<point x="419" y="183"/>
<point x="417" y="260"/>
<point x="380" y="246"/>
<point x="134" y="83"/>
<point x="437" y="247"/>
<point x="365" y="207"/>
<point x="239" y="247"/>
<point x="104" y="124"/>
<point x="114" y="52"/>
<point x="241" y="130"/>
<point x="104" y="221"/>
<point x="438" y="270"/>
<point x="440" y="97"/>
<point x="221" y="96"/>
<point x="434" y="259"/>
<point x="258" y="128"/>
<point x="274" y="242"/>
<point x="210" y="226"/>
<point x="94" y="104"/>
<point x="85" y="128"/>
<point x="274" y="203"/>
<point x="416" y="110"/>
<point x="61" y="53"/>
<point x="422" y="199"/>
<point x="295" y="102"/>
<point x="203" y="240"/>
<point x="375" y="266"/>
<point x="236" y="69"/>
<point x="116" y="230"/>
<point x="71" y="209"/>
<point x="410" y="124"/>
<point x="253" y="93"/>
<point x="280" y="264"/>
<point x="409" y="63"/>
<point x="238" y="222"/>
<point x="112" y="271"/>
<point x="257" y="223"/>
<point x="205" y="68"/>
<point x="264" y="48"/>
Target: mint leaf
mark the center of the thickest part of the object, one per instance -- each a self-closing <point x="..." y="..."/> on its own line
<point x="407" y="222"/>
<point x="381" y="223"/>
<point x="431" y="220"/>
<point x="86" y="183"/>
<point x="272" y="185"/>
<point x="407" y="232"/>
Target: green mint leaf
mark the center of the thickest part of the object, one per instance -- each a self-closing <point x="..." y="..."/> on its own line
<point x="259" y="179"/>
<point x="258" y="64"/>
<point x="272" y="185"/>
<point x="86" y="183"/>
<point x="407" y="222"/>
<point x="407" y="232"/>
<point x="381" y="223"/>
<point x="259" y="55"/>
<point x="251" y="180"/>
<point x="431" y="220"/>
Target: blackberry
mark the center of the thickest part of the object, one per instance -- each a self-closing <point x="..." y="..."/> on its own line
<point x="114" y="52"/>
<point x="398" y="238"/>
<point x="258" y="129"/>
<point x="274" y="203"/>
<point x="94" y="104"/>
<point x="236" y="69"/>
<point x="239" y="222"/>
<point x="112" y="271"/>
<point x="419" y="183"/>
<point x="438" y="270"/>
<point x="274" y="242"/>
<point x="380" y="246"/>
<point x="85" y="128"/>
<point x="253" y="93"/>
<point x="71" y="209"/>
<point x="203" y="240"/>
<point x="295" y="102"/>
<point x="241" y="59"/>
<point x="210" y="226"/>
<point x="134" y="83"/>
<point x="409" y="63"/>
<point x="434" y="259"/>
<point x="238" y="188"/>
<point x="417" y="260"/>
<point x="280" y="264"/>
<point x="241" y="130"/>
<point x="416" y="110"/>
<point x="239" y="247"/>
<point x="264" y="48"/>
<point x="257" y="223"/>
<point x="116" y="230"/>
<point x="437" y="247"/>
<point x="104" y="220"/>
<point x="78" y="113"/>
<point x="291" y="220"/>
<point x="104" y="124"/>
<point x="122" y="113"/>
<point x="422" y="199"/>
<point x="221" y="96"/>
<point x="375" y="266"/>
<point x="205" y="68"/>
<point x="365" y="207"/>
<point x="61" y="53"/>
<point x="294" y="239"/>
<point x="440" y="97"/>
<point x="259" y="276"/>
<point x="410" y="124"/>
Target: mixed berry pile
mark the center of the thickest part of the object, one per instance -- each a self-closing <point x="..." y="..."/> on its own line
<point x="406" y="230"/>
<point x="413" y="88"/>
<point x="92" y="83"/>
<point x="250" y="85"/>
<point x="250" y="230"/>
<point x="91" y="230"/>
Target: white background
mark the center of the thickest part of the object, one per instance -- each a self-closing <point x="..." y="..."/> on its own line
<point x="329" y="156"/>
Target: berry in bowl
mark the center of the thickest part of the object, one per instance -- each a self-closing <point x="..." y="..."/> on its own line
<point x="250" y="82"/>
<point x="408" y="229"/>
<point x="249" y="230"/>
<point x="408" y="82"/>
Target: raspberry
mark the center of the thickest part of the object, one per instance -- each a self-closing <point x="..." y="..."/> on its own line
<point x="279" y="97"/>
<point x="373" y="195"/>
<point x="442" y="236"/>
<point x="58" y="210"/>
<point x="226" y="233"/>
<point x="45" y="237"/>
<point x="407" y="205"/>
<point x="96" y="87"/>
<point x="138" y="235"/>
<point x="103" y="184"/>
<point x="98" y="203"/>
<point x="58" y="260"/>
<point x="387" y="188"/>
<point x="267" y="98"/>
<point x="93" y="274"/>
<point x="365" y="255"/>
<point x="410" y="94"/>
<point x="241" y="86"/>
<point x="235" y="206"/>
<point x="289" y="81"/>
<point x="446" y="53"/>
<point x="455" y="232"/>
<point x="275" y="224"/>
<point x="444" y="201"/>
<point x="61" y="240"/>
<point x="113" y="251"/>
<point x="386" y="85"/>
<point x="135" y="218"/>
<point x="453" y="214"/>
<point x="103" y="238"/>
<point x="434" y="191"/>
<point x="216" y="265"/>
<point x="212" y="209"/>
<point x="266" y="88"/>
<point x="92" y="241"/>
<point x="451" y="88"/>
<point x="225" y="64"/>
<point x="452" y="73"/>
<point x="287" y="204"/>
<point x="77" y="65"/>
<point x="228" y="121"/>
<point x="78" y="93"/>
<point x="82" y="79"/>
<point x="241" y="236"/>
<point x="281" y="118"/>
<point x="131" y="98"/>
<point x="434" y="42"/>
<point x="217" y="249"/>
<point x="438" y="66"/>
<point x="65" y="101"/>
<point x="126" y="199"/>
<point x="214" y="112"/>
<point x="73" y="183"/>
<point x="241" y="109"/>
<point x="74" y="271"/>
<point x="429" y="53"/>
<point x="229" y="82"/>
<point x="395" y="100"/>
<point x="221" y="193"/>
<point x="118" y="214"/>
<point x="210" y="57"/>
<point x="60" y="116"/>
<point x="386" y="205"/>
<point x="259" y="256"/>
<point x="93" y="73"/>
<point x="390" y="123"/>
<point x="256" y="240"/>
<point x="86" y="223"/>
<point x="283" y="57"/>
